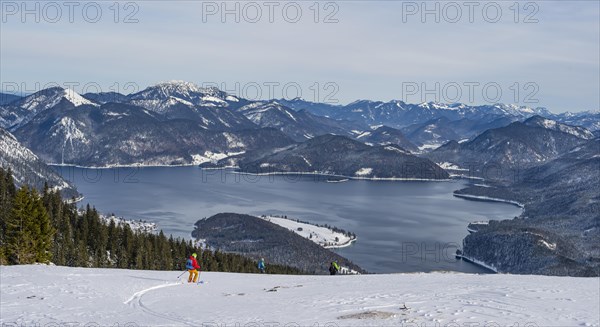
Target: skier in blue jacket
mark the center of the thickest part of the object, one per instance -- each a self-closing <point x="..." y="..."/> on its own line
<point x="261" y="265"/>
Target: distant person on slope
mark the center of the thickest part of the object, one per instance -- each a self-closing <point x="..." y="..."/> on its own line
<point x="261" y="265"/>
<point x="193" y="267"/>
<point x="334" y="268"/>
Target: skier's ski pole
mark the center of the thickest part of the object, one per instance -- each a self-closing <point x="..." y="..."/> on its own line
<point x="181" y="274"/>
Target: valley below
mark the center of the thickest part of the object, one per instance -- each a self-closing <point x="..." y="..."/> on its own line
<point x="402" y="226"/>
<point x="402" y="176"/>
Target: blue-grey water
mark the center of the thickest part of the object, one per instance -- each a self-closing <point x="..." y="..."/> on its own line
<point x="401" y="226"/>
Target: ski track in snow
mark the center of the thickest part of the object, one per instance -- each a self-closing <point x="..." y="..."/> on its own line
<point x="136" y="302"/>
<point x="38" y="294"/>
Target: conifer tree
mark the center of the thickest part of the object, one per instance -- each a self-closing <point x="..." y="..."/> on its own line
<point x="36" y="228"/>
<point x="20" y="234"/>
<point x="7" y="193"/>
<point x="42" y="229"/>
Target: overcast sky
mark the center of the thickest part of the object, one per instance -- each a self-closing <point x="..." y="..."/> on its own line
<point x="544" y="54"/>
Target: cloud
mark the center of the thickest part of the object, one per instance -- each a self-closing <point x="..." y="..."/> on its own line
<point x="368" y="53"/>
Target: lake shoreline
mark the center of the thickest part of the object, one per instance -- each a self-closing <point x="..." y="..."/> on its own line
<point x="488" y="199"/>
<point x="389" y="179"/>
<point x="386" y="216"/>
<point x="232" y="170"/>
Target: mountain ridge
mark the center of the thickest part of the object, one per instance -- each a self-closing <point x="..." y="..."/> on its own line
<point x="338" y="155"/>
<point x="506" y="149"/>
<point x="28" y="169"/>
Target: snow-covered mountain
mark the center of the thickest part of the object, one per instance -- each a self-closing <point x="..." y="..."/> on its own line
<point x="213" y="108"/>
<point x="542" y="122"/>
<point x="573" y="177"/>
<point x="559" y="228"/>
<point x="104" y="97"/>
<point x="587" y="119"/>
<point x="27" y="168"/>
<point x="383" y="135"/>
<point x="432" y="123"/>
<point x="162" y="96"/>
<point x="19" y="112"/>
<point x="48" y="98"/>
<point x="516" y="146"/>
<point x="520" y="111"/>
<point x="111" y="297"/>
<point x="398" y="114"/>
<point x="438" y="131"/>
<point x="180" y="104"/>
<point x="184" y="100"/>
<point x="299" y="125"/>
<point x="316" y="108"/>
<point x="342" y="156"/>
<point x="433" y="132"/>
<point x="120" y="134"/>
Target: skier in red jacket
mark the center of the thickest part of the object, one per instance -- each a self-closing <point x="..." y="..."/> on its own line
<point x="193" y="267"/>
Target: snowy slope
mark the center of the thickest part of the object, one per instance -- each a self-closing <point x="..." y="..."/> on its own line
<point x="546" y="123"/>
<point x="164" y="95"/>
<point x="29" y="169"/>
<point x="188" y="101"/>
<point x="323" y="236"/>
<point x="51" y="97"/>
<point x="299" y="125"/>
<point x="21" y="111"/>
<point x="152" y="298"/>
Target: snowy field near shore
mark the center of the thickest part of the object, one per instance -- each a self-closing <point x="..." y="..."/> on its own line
<point x="323" y="236"/>
<point x="59" y="296"/>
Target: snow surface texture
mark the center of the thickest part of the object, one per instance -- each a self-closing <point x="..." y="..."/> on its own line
<point x="107" y="297"/>
<point x="323" y="236"/>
